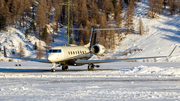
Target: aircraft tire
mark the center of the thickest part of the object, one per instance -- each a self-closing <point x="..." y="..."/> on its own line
<point x="66" y="68"/>
<point x="63" y="68"/>
<point x="91" y="67"/>
<point x="53" y="70"/>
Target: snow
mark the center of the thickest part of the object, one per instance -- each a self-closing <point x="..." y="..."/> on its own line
<point x="162" y="37"/>
<point x="132" y="81"/>
<point x="137" y="81"/>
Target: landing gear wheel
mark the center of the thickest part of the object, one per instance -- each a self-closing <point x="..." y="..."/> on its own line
<point x="91" y="67"/>
<point x="65" y="68"/>
<point x="53" y="67"/>
<point x="53" y="70"/>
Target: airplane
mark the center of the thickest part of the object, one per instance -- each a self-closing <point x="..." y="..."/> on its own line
<point x="73" y="55"/>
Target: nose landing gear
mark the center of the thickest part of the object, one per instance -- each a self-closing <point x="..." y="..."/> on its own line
<point x="53" y="67"/>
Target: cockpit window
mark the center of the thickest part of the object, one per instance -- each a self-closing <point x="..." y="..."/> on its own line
<point x="55" y="51"/>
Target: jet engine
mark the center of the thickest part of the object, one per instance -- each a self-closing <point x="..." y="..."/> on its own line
<point x="98" y="49"/>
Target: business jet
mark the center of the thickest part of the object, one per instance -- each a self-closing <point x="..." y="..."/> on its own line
<point x="74" y="55"/>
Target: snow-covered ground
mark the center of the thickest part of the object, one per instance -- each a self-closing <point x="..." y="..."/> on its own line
<point x="133" y="81"/>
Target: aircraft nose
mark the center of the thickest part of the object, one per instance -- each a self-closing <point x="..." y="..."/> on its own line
<point x="50" y="58"/>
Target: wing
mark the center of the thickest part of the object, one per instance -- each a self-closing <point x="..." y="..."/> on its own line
<point x="116" y="60"/>
<point x="28" y="59"/>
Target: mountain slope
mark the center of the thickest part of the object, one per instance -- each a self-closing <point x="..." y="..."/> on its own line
<point x="162" y="37"/>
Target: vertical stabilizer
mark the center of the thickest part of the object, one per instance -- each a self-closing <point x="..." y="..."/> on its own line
<point x="92" y="40"/>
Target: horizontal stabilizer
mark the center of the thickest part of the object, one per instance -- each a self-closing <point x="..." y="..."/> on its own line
<point x="80" y="29"/>
<point x="109" y="29"/>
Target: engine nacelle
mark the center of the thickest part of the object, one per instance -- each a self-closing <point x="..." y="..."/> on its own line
<point x="98" y="49"/>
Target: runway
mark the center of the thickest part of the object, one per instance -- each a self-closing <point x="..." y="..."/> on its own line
<point x="31" y="70"/>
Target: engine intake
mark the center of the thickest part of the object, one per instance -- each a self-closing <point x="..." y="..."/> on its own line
<point x="98" y="49"/>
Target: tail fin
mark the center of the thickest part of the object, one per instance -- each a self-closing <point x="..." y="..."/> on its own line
<point x="93" y="36"/>
<point x="92" y="40"/>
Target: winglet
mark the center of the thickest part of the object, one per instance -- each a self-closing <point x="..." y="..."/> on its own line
<point x="172" y="51"/>
<point x="5" y="55"/>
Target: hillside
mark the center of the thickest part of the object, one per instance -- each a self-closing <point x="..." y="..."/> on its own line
<point x="162" y="37"/>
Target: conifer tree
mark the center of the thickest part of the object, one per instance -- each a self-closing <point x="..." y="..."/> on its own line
<point x="35" y="46"/>
<point x="39" y="51"/>
<point x="108" y="7"/>
<point x="159" y="6"/>
<point x="81" y="36"/>
<point x="21" y="51"/>
<point x="14" y="11"/>
<point x="86" y="35"/>
<point x="2" y="18"/>
<point x="26" y="33"/>
<point x="47" y="38"/>
<point x="112" y="39"/>
<point x="94" y="13"/>
<point x="129" y="16"/>
<point x="41" y="15"/>
<point x="118" y="15"/>
<point x="26" y="9"/>
<point x="103" y="24"/>
<point x="140" y="27"/>
<point x="45" y="34"/>
<point x="32" y="26"/>
<point x="57" y="14"/>
<point x="83" y="12"/>
<point x="4" y="15"/>
<point x="81" y="43"/>
<point x="152" y="9"/>
<point x="72" y="41"/>
<point x="172" y="8"/>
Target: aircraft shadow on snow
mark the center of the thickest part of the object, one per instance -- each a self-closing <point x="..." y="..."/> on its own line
<point x="12" y="70"/>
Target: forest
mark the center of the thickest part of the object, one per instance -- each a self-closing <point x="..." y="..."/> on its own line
<point x="35" y="15"/>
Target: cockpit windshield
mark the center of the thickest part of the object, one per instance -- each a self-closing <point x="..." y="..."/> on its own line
<point x="55" y="51"/>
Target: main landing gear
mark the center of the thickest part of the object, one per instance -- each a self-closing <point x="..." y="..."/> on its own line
<point x="65" y="68"/>
<point x="91" y="67"/>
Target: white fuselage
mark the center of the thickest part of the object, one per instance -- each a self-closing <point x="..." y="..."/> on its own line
<point x="64" y="53"/>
